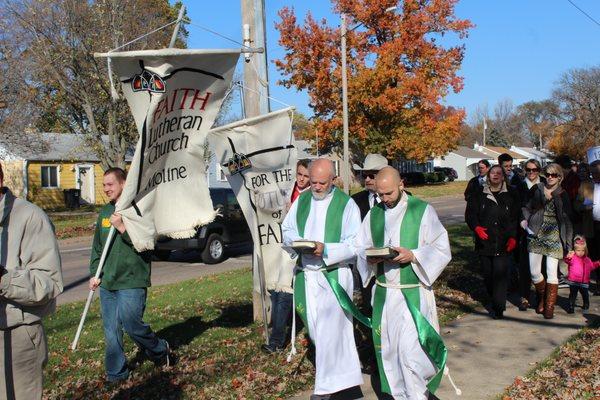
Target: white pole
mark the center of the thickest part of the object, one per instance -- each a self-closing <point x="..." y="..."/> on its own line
<point x="177" y="25"/>
<point x="261" y="276"/>
<point x="107" y="244"/>
<point x="345" y="169"/>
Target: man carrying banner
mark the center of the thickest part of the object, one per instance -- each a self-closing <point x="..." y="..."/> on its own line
<point x="30" y="281"/>
<point x="410" y="353"/>
<point x="123" y="286"/>
<point x="323" y="283"/>
<point x="281" y="295"/>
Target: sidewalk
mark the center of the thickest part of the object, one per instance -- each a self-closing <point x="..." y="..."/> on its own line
<point x="485" y="355"/>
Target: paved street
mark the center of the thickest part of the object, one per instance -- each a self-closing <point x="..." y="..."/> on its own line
<point x="75" y="255"/>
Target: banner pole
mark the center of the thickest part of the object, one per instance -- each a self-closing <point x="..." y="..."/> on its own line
<point x="109" y="239"/>
<point x="261" y="277"/>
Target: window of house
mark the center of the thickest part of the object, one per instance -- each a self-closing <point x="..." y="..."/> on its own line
<point x="50" y="176"/>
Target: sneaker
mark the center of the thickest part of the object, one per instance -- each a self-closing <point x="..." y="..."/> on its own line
<point x="167" y="360"/>
<point x="269" y="349"/>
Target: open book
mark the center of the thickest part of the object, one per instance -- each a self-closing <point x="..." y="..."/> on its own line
<point x="304" y="246"/>
<point x="381" y="252"/>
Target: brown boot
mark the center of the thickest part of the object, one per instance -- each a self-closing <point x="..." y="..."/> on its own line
<point x="540" y="291"/>
<point x="551" y="294"/>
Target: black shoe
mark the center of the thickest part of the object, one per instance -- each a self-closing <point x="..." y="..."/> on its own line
<point x="269" y="349"/>
<point x="523" y="304"/>
<point x="167" y="360"/>
<point x="570" y="309"/>
<point x="586" y="306"/>
<point x="498" y="314"/>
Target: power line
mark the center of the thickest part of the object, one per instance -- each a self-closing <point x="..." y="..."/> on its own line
<point x="584" y="13"/>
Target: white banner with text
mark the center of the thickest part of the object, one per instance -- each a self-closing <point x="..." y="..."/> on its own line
<point x="258" y="157"/>
<point x="175" y="96"/>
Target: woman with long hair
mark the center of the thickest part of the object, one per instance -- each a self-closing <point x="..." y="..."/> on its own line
<point x="547" y="219"/>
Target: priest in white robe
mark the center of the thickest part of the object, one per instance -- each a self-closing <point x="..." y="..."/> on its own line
<point x="323" y="280"/>
<point x="403" y="300"/>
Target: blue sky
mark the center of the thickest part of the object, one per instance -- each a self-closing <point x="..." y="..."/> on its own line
<point x="517" y="51"/>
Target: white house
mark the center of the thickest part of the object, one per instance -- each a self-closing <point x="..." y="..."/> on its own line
<point x="494" y="151"/>
<point x="531" y="152"/>
<point x="464" y="160"/>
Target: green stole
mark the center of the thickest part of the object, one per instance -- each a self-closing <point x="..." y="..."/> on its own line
<point x="333" y="233"/>
<point x="430" y="340"/>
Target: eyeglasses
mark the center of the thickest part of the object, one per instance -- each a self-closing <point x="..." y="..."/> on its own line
<point x="370" y="175"/>
<point x="552" y="176"/>
<point x="532" y="170"/>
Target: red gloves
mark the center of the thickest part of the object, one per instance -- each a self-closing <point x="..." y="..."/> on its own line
<point x="511" y="244"/>
<point x="480" y="231"/>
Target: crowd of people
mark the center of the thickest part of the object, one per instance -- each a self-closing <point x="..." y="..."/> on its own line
<point x="526" y="226"/>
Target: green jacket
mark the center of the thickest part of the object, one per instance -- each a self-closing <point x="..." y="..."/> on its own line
<point x="124" y="268"/>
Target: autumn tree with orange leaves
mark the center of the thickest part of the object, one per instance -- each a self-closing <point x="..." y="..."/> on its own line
<point x="398" y="74"/>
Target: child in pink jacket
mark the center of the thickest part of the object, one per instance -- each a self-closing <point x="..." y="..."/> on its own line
<point x="580" y="267"/>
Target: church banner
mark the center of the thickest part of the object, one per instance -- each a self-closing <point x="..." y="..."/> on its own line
<point x="175" y="96"/>
<point x="258" y="158"/>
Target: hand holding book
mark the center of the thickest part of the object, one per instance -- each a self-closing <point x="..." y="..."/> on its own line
<point x="397" y="254"/>
<point x="308" y="247"/>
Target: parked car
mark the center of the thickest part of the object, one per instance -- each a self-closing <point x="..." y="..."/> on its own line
<point x="228" y="230"/>
<point x="450" y="173"/>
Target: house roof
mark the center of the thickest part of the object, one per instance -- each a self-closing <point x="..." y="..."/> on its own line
<point x="495" y="151"/>
<point x="304" y="150"/>
<point x="534" y="151"/>
<point x="466" y="152"/>
<point x="50" y="147"/>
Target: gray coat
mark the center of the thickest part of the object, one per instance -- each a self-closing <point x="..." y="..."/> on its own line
<point x="533" y="213"/>
<point x="30" y="269"/>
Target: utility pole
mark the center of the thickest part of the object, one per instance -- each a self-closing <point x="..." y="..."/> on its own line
<point x="255" y="100"/>
<point x="256" y="78"/>
<point x="177" y="26"/>
<point x="484" y="130"/>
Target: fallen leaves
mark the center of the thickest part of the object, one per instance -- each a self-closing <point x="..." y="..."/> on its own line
<point x="572" y="374"/>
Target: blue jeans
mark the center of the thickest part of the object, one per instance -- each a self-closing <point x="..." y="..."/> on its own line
<point x="123" y="310"/>
<point x="281" y="310"/>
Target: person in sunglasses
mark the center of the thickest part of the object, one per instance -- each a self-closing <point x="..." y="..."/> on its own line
<point x="532" y="178"/>
<point x="547" y="220"/>
<point x="368" y="198"/>
<point x="532" y="173"/>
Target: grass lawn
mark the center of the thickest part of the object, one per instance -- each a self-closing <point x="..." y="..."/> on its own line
<point x="208" y="321"/>
<point x="432" y="190"/>
<point x="439" y="189"/>
<point x="572" y="371"/>
<point x="73" y="225"/>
